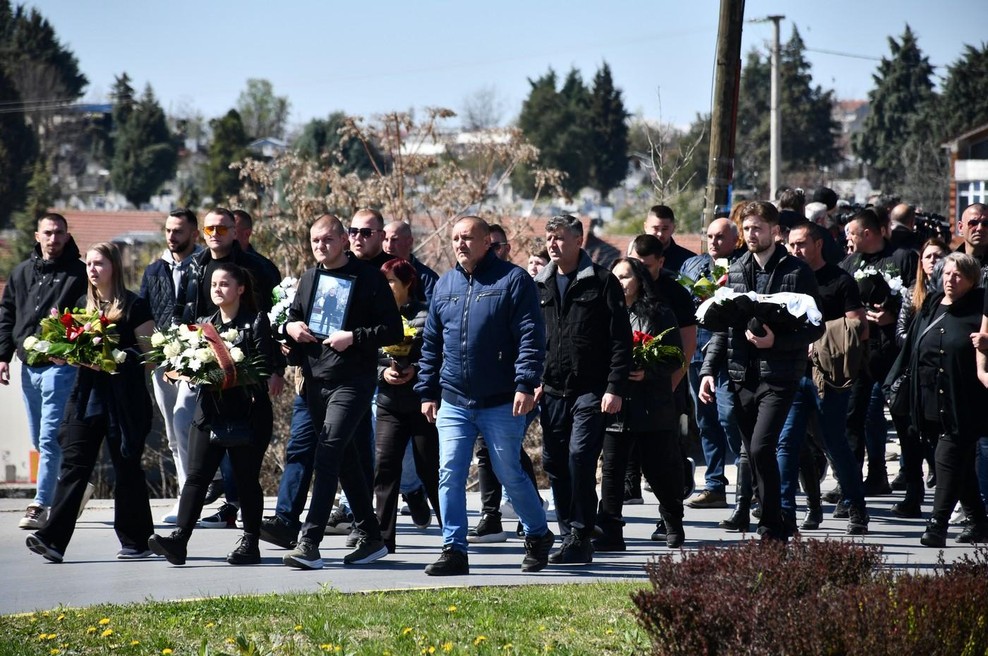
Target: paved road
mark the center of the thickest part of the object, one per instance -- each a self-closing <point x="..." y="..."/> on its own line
<point x="91" y="575"/>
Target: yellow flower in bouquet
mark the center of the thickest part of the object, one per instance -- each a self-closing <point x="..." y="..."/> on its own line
<point x="80" y="337"/>
<point x="404" y="347"/>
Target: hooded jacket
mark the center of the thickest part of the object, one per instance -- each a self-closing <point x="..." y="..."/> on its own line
<point x="35" y="286"/>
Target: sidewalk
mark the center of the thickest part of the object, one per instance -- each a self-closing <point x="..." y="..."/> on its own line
<point x="92" y="575"/>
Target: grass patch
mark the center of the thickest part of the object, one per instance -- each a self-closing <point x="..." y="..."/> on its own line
<point x="594" y="618"/>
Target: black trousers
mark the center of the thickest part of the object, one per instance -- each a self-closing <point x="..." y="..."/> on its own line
<point x="394" y="430"/>
<point x="204" y="459"/>
<point x="572" y="439"/>
<point x="957" y="479"/>
<point x="662" y="466"/>
<point x="81" y="441"/>
<point x="761" y="409"/>
<point x="490" y="486"/>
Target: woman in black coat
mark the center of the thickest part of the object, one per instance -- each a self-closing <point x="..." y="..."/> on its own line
<point x="948" y="400"/>
<point x="648" y="417"/>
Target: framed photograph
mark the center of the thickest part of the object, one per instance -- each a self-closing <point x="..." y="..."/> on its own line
<point x="330" y="303"/>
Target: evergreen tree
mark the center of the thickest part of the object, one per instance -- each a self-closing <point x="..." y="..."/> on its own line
<point x="322" y="137"/>
<point x="229" y="145"/>
<point x="900" y="106"/>
<point x="17" y="151"/>
<point x="962" y="102"/>
<point x="40" y="197"/>
<point x="808" y="130"/>
<point x="145" y="155"/>
<point x="609" y="125"/>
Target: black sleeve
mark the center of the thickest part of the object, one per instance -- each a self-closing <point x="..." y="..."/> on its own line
<point x="848" y="291"/>
<point x="680" y="302"/>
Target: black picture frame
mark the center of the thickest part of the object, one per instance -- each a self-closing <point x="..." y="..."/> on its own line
<point x="322" y="317"/>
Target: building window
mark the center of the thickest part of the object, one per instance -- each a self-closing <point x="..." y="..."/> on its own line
<point x="968" y="193"/>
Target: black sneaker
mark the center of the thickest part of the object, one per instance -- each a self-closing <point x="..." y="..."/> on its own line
<point x="857" y="519"/>
<point x="353" y="537"/>
<point x="277" y="532"/>
<point x="418" y="506"/>
<point x="842" y="510"/>
<point x="611" y="543"/>
<point x="973" y="533"/>
<point x="367" y="552"/>
<point x="305" y="555"/>
<point x="214" y="491"/>
<point x="173" y="547"/>
<point x="659" y="534"/>
<point x="812" y="520"/>
<point x="537" y="552"/>
<point x="633" y="496"/>
<point x="339" y="522"/>
<point x="689" y="473"/>
<point x="39" y="546"/>
<point x="833" y="496"/>
<point x="452" y="562"/>
<point x="488" y="530"/>
<point x="225" y="517"/>
<point x="246" y="553"/>
<point x="575" y="550"/>
<point x="877" y="486"/>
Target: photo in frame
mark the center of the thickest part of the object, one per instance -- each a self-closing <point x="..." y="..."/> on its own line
<point x="330" y="303"/>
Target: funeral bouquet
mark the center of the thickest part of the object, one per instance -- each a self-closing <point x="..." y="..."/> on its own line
<point x="782" y="312"/>
<point x="399" y="352"/>
<point x="79" y="337"/>
<point x="282" y="297"/>
<point x="648" y="350"/>
<point x="705" y="286"/>
<point x="201" y="355"/>
<point x="879" y="287"/>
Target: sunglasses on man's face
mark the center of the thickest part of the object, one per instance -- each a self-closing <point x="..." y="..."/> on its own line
<point x="498" y="245"/>
<point x="216" y="230"/>
<point x="974" y="223"/>
<point x="366" y="233"/>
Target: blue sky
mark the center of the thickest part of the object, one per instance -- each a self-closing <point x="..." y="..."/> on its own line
<point x="371" y="57"/>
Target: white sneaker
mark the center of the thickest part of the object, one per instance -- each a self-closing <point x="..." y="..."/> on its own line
<point x="549" y="505"/>
<point x="171" y="517"/>
<point x="508" y="511"/>
<point x="131" y="553"/>
<point x="35" y="517"/>
<point x="959" y="517"/>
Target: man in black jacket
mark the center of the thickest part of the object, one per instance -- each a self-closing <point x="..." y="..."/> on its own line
<point x="764" y="369"/>
<point x="163" y="286"/>
<point x="53" y="277"/>
<point x="588" y="359"/>
<point x="340" y="377"/>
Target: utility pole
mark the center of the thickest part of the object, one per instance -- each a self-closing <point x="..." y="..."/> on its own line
<point x="724" y="110"/>
<point x="775" y="118"/>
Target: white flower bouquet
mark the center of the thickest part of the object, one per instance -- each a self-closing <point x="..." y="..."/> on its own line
<point x="201" y="355"/>
<point x="282" y="297"/>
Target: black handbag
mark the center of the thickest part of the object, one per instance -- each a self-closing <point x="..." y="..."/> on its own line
<point x="230" y="433"/>
<point x="897" y="394"/>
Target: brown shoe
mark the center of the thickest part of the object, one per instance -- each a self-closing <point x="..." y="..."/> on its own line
<point x="708" y="499"/>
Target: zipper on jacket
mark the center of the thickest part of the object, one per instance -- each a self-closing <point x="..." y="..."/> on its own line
<point x="464" y="330"/>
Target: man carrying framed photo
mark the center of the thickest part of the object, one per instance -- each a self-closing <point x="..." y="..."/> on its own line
<point x="340" y="376"/>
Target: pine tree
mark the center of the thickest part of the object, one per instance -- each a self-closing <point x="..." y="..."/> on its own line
<point x="898" y="109"/>
<point x="609" y="125"/>
<point x="40" y="197"/>
<point x="321" y="137"/>
<point x="808" y="130"/>
<point x="145" y="155"/>
<point x="17" y="151"/>
<point x="962" y="102"/>
<point x="229" y="145"/>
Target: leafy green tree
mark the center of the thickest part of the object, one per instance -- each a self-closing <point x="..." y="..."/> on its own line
<point x="609" y="125"/>
<point x="557" y="123"/>
<point x="145" y="155"/>
<point x="962" y="101"/>
<point x="229" y="145"/>
<point x="262" y="113"/>
<point x="808" y="130"/>
<point x="900" y="107"/>
<point x="322" y="137"/>
<point x="17" y="151"/>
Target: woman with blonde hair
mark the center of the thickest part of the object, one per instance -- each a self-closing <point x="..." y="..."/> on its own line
<point x="114" y="407"/>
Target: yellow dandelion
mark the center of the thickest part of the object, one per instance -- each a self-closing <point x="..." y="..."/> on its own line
<point x="134" y="643"/>
<point x="60" y="617"/>
<point x="452" y="609"/>
<point x="91" y="630"/>
<point x="338" y="648"/>
<point x="166" y="651"/>
<point x="46" y="613"/>
<point x="326" y="647"/>
<point x="55" y="651"/>
<point x="609" y="632"/>
<point x="508" y="646"/>
<point x="231" y="640"/>
<point x="447" y="646"/>
<point x="406" y="630"/>
<point x="210" y="625"/>
<point x="104" y="621"/>
<point x="298" y="627"/>
<point x="541" y="627"/>
<point x="479" y="639"/>
<point x="107" y="633"/>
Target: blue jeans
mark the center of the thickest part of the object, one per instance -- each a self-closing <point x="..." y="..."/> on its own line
<point x="791" y="441"/>
<point x="876" y="433"/>
<point x="458" y="430"/>
<point x="982" y="468"/>
<point x="410" y="481"/>
<point x="46" y="391"/>
<point x="719" y="434"/>
<point x="300" y="452"/>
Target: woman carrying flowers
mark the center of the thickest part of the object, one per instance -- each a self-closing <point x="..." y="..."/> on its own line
<point x="648" y="414"/>
<point x="109" y="400"/>
<point x="233" y="414"/>
<point x="399" y="415"/>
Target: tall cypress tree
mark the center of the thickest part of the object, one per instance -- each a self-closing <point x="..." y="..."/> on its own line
<point x="898" y="108"/>
<point x="609" y="125"/>
<point x="229" y="145"/>
<point x="145" y="155"/>
<point x="962" y="102"/>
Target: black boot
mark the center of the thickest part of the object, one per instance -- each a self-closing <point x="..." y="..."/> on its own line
<point x="675" y="534"/>
<point x="935" y="535"/>
<point x="809" y="478"/>
<point x="173" y="547"/>
<point x="741" y="517"/>
<point x="246" y="553"/>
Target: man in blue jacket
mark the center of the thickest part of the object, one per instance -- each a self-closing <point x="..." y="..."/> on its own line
<point x="482" y="356"/>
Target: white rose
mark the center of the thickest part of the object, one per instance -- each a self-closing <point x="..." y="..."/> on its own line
<point x="722" y="262"/>
<point x="204" y="355"/>
<point x="230" y="335"/>
<point x="158" y="339"/>
<point x="42" y="346"/>
<point x="119" y="356"/>
<point x="30" y="342"/>
<point x="171" y="350"/>
<point x="195" y="365"/>
<point x="237" y="354"/>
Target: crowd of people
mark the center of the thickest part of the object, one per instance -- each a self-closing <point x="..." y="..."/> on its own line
<point x="427" y="372"/>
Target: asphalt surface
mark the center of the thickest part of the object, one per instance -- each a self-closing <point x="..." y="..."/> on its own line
<point x="91" y="574"/>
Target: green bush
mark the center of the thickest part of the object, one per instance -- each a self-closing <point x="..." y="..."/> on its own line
<point x="812" y="598"/>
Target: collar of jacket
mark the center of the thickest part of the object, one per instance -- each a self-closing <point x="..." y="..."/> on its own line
<point x="488" y="260"/>
<point x="584" y="269"/>
<point x="170" y="261"/>
<point x="206" y="255"/>
<point x="972" y="300"/>
<point x="748" y="259"/>
<point x="69" y="253"/>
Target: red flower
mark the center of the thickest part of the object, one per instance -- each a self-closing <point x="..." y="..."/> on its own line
<point x="73" y="332"/>
<point x="641" y="339"/>
<point x="722" y="281"/>
<point x="66" y="320"/>
<point x="103" y="320"/>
